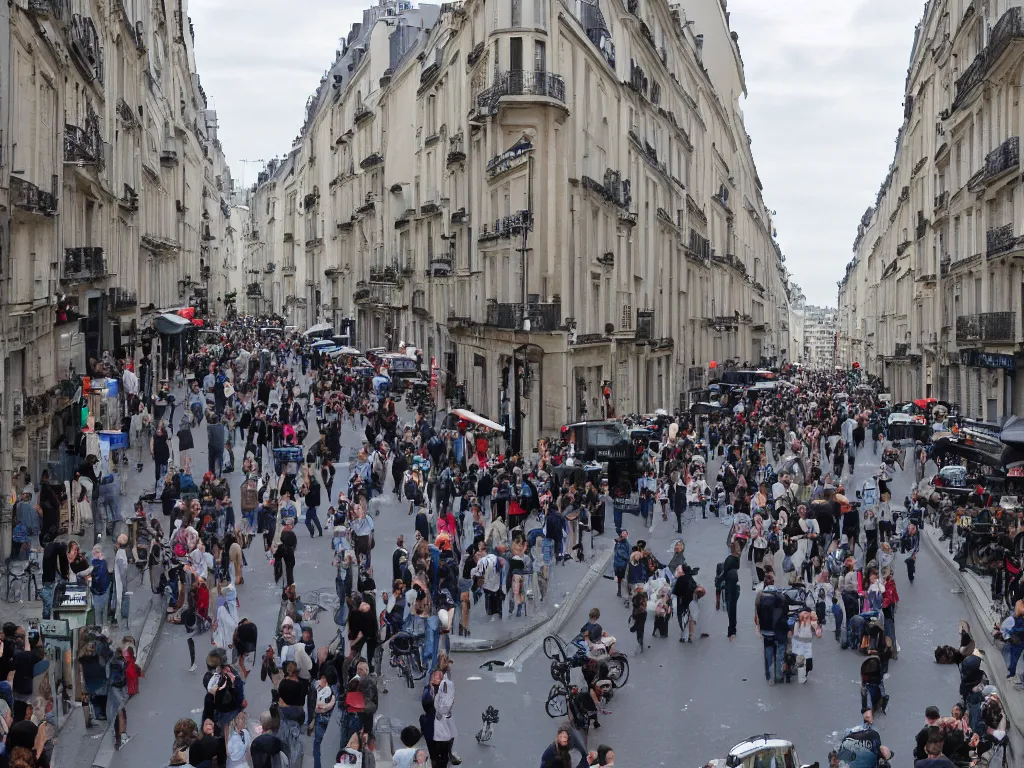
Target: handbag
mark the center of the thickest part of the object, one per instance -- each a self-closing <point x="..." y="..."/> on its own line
<point x="787" y="564"/>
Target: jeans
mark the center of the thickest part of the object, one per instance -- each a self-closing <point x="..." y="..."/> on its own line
<point x="216" y="460"/>
<point x="46" y="595"/>
<point x="773" y="653"/>
<point x="1015" y="651"/>
<point x="871" y="695"/>
<point x="99" y="604"/>
<point x="159" y="475"/>
<point x="290" y="734"/>
<point x="311" y="520"/>
<point x="731" y="595"/>
<point x="319" y="729"/>
<point x="911" y="568"/>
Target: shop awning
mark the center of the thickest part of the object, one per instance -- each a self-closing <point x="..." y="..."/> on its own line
<point x="171" y="324"/>
<point x="465" y="415"/>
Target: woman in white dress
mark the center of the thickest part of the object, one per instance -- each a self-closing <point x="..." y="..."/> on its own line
<point x="804" y="631"/>
<point x="227" y="615"/>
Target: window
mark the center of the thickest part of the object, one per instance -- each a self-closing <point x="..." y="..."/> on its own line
<point x="539" y="57"/>
<point x="515" y="54"/>
<point x="517" y="13"/>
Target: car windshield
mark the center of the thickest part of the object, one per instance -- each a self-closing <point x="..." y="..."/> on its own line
<point x="606" y="435"/>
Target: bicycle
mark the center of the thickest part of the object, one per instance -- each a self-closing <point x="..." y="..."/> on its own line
<point x="20" y="574"/>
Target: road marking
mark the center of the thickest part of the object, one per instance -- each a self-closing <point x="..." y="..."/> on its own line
<point x="505" y="677"/>
<point x="474" y="677"/>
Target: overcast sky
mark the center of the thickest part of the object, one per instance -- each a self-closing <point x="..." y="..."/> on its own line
<point x="825" y="101"/>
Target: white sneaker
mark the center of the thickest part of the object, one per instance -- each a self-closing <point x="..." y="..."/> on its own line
<point x="192" y="668"/>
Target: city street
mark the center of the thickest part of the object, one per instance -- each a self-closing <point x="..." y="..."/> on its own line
<point x="702" y="698"/>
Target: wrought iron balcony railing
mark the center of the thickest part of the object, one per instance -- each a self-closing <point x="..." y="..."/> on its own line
<point x="1000" y="240"/>
<point x="993" y="327"/>
<point x="82" y="264"/>
<point x="544" y="317"/>
<point x="82" y="146"/>
<point x="1005" y="157"/>
<point x="1010" y="27"/>
<point x="29" y="197"/>
<point x="522" y="83"/>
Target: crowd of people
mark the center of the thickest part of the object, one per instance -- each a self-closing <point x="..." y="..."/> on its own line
<point x="485" y="529"/>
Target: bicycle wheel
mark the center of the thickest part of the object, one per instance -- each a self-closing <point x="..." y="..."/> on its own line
<point x="554" y="649"/>
<point x="417" y="670"/>
<point x="557" y="704"/>
<point x="618" y="671"/>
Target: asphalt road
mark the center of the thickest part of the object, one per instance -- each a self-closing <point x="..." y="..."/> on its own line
<point x="684" y="704"/>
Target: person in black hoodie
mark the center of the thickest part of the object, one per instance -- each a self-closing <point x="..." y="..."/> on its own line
<point x="399" y="464"/>
<point x="312" y="500"/>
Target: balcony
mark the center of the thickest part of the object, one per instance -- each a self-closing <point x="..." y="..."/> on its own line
<point x="941" y="201"/>
<point x="456" y="150"/>
<point x="269" y="267"/>
<point x="362" y="113"/>
<point x="129" y="201"/>
<point x="254" y="290"/>
<point x="84" y="264"/>
<point x="987" y="327"/>
<point x="901" y="350"/>
<point x="85" y="47"/>
<point x="379" y="294"/>
<point x="28" y="197"/>
<point x="47" y="9"/>
<point x="521" y="83"/>
<point x="384" y="275"/>
<point x="504" y="227"/>
<point x="1008" y="30"/>
<point x="1000" y="240"/>
<point x="1006" y="157"/>
<point x="119" y="299"/>
<point x="544" y="317"/>
<point x="288" y="269"/>
<point x="81" y="146"/>
<point x="371" y="160"/>
<point x="419" y="303"/>
<point x="168" y="158"/>
<point x="438" y="266"/>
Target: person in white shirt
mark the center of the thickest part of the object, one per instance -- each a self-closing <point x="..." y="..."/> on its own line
<point x="238" y="742"/>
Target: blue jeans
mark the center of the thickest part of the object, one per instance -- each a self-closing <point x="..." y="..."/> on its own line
<point x="1015" y="651"/>
<point x="46" y="595"/>
<point x="773" y="653"/>
<point x="311" y="520"/>
<point x="319" y="729"/>
<point x="99" y="604"/>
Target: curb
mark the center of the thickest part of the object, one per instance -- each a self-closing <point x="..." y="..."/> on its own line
<point x="148" y="638"/>
<point x="1013" y="705"/>
<point x="570" y="604"/>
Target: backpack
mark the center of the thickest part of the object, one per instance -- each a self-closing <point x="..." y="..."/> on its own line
<point x="117" y="673"/>
<point x="100" y="577"/>
<point x="250" y="497"/>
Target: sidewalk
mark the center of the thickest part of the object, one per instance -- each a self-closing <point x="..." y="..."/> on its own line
<point x="569" y="584"/>
<point x="75" y="746"/>
<point x="977" y="594"/>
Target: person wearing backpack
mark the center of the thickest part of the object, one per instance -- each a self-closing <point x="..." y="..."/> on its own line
<point x="769" y="614"/>
<point x="100" y="585"/>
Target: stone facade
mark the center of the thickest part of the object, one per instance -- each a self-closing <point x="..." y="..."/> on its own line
<point x="566" y="178"/>
<point x="932" y="300"/>
<point x="114" y="193"/>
